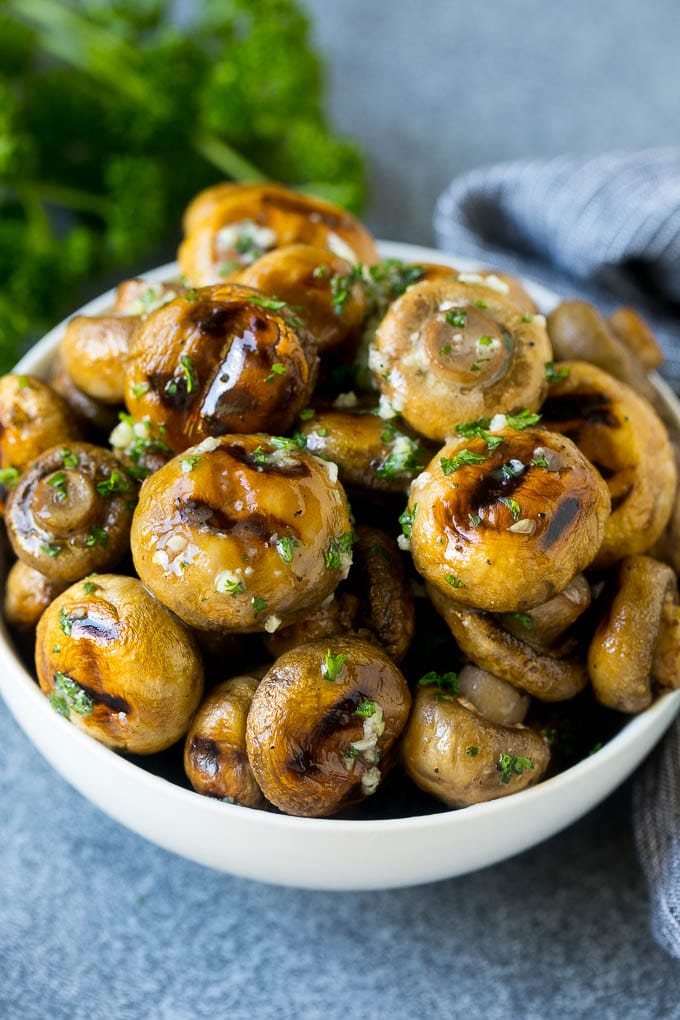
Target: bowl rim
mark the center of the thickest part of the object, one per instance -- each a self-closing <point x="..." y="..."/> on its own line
<point x="661" y="712"/>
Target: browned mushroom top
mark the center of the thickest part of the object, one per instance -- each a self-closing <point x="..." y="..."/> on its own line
<point x="449" y="351"/>
<point x="28" y="593"/>
<point x="381" y="456"/>
<point x="245" y="223"/>
<point x="217" y="360"/>
<point x="118" y="665"/>
<point x="323" y="724"/>
<point x="621" y="434"/>
<point x="32" y="418"/>
<point x="545" y="625"/>
<point x="453" y="752"/>
<point x="94" y="351"/>
<point x="71" y="511"/>
<point x="325" y="290"/>
<point x="504" y="529"/>
<point x="243" y="533"/>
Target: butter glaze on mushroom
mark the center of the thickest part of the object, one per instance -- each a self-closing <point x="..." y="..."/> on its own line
<point x="118" y="665"/>
<point x="94" y="351"/>
<point x="325" y="290"/>
<point x="219" y="360"/>
<point x="505" y="529"/>
<point x="248" y="222"/>
<point x="323" y="725"/>
<point x="28" y="593"/>
<point x="449" y="351"/>
<point x="70" y="512"/>
<point x="242" y="533"/>
<point x="621" y="434"/>
<point x="215" y="755"/>
<point x="453" y="752"/>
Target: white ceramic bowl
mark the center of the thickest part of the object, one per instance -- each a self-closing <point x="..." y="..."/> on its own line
<point x="309" y="852"/>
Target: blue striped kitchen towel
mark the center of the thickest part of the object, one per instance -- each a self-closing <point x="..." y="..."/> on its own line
<point x="606" y="229"/>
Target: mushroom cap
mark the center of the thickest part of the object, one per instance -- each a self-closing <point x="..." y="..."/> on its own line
<point x="119" y="665"/>
<point x="321" y="285"/>
<point x="546" y="675"/>
<point x="92" y="413"/>
<point x="267" y="216"/>
<point x="621" y="653"/>
<point x="508" y="528"/>
<point x="371" y="454"/>
<point x="217" y="360"/>
<point x="448" y="351"/>
<point x="28" y="593"/>
<point x="207" y="200"/>
<point x="387" y="606"/>
<point x="492" y="697"/>
<point x="242" y="533"/>
<point x="621" y="434"/>
<point x="632" y="330"/>
<point x="215" y="756"/>
<point x="94" y="351"/>
<point x="33" y="417"/>
<point x="70" y="512"/>
<point x="452" y="751"/>
<point x="544" y="626"/>
<point x="139" y="297"/>
<point x="312" y="745"/>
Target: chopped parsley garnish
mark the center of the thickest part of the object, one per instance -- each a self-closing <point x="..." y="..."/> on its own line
<point x="89" y="587"/>
<point x="286" y="547"/>
<point x="391" y="277"/>
<point x="512" y="505"/>
<point x="446" y="684"/>
<point x="69" y="695"/>
<point x="510" y="765"/>
<point x="527" y="318"/>
<point x="337" y="548"/>
<point x="189" y="371"/>
<point x="188" y="464"/>
<point x="65" y="622"/>
<point x="58" y="481"/>
<point x="481" y="304"/>
<point x="596" y="747"/>
<point x="407" y="520"/>
<point x="472" y="750"/>
<point x="97" y="536"/>
<point x="485" y="341"/>
<point x="554" y="373"/>
<point x="456" y="317"/>
<point x="278" y="368"/>
<point x="306" y="413"/>
<point x="478" y="429"/>
<point x="321" y="272"/>
<point x="451" y="464"/>
<point x="351" y="751"/>
<point x="454" y="581"/>
<point x="9" y="477"/>
<point x="68" y="458"/>
<point x="511" y="469"/>
<point x="341" y="288"/>
<point x="365" y="709"/>
<point x="406" y="455"/>
<point x="230" y="587"/>
<point x="259" y="605"/>
<point x="446" y="349"/>
<point x="522" y="420"/>
<point x="116" y="482"/>
<point x="540" y="462"/>
<point x="475" y="520"/>
<point x="23" y="382"/>
<point x="332" y="665"/>
<point x="56" y="649"/>
<point x="51" y="549"/>
<point x="524" y="619"/>
<point x="273" y="304"/>
<point x="190" y="295"/>
<point x="139" y="389"/>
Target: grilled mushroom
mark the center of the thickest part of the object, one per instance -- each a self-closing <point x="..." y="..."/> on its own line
<point x="93" y="352"/>
<point x="449" y="351"/>
<point x="70" y="512"/>
<point x="245" y="223"/>
<point x="632" y="330"/>
<point x="94" y="414"/>
<point x="118" y="665"/>
<point x="506" y="528"/>
<point x="323" y="725"/>
<point x="28" y="593"/>
<point x="372" y="454"/>
<point x="243" y="533"/>
<point x="452" y="751"/>
<point x="207" y="200"/>
<point x="542" y="673"/>
<point x="620" y="433"/>
<point x="621" y="657"/>
<point x="215" y="757"/>
<point x="221" y="359"/>
<point x="325" y="290"/>
<point x="140" y="297"/>
<point x="32" y="418"/>
<point x="545" y="625"/>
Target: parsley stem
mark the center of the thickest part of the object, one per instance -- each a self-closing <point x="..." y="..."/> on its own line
<point x="226" y="159"/>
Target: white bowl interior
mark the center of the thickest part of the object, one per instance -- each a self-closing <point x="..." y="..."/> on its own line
<point x="313" y="853"/>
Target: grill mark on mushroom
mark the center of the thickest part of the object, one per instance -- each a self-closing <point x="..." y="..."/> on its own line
<point x="257" y="526"/>
<point x="492" y="486"/>
<point x="563" y="517"/>
<point x="111" y="701"/>
<point x="301" y="762"/>
<point x="213" y="321"/>
<point x="287" y="204"/>
<point x="273" y="463"/>
<point x="177" y="398"/>
<point x="205" y="755"/>
<point x="338" y="716"/>
<point x="594" y="408"/>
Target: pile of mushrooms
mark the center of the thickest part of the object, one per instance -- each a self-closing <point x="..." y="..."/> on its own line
<point x="325" y="527"/>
